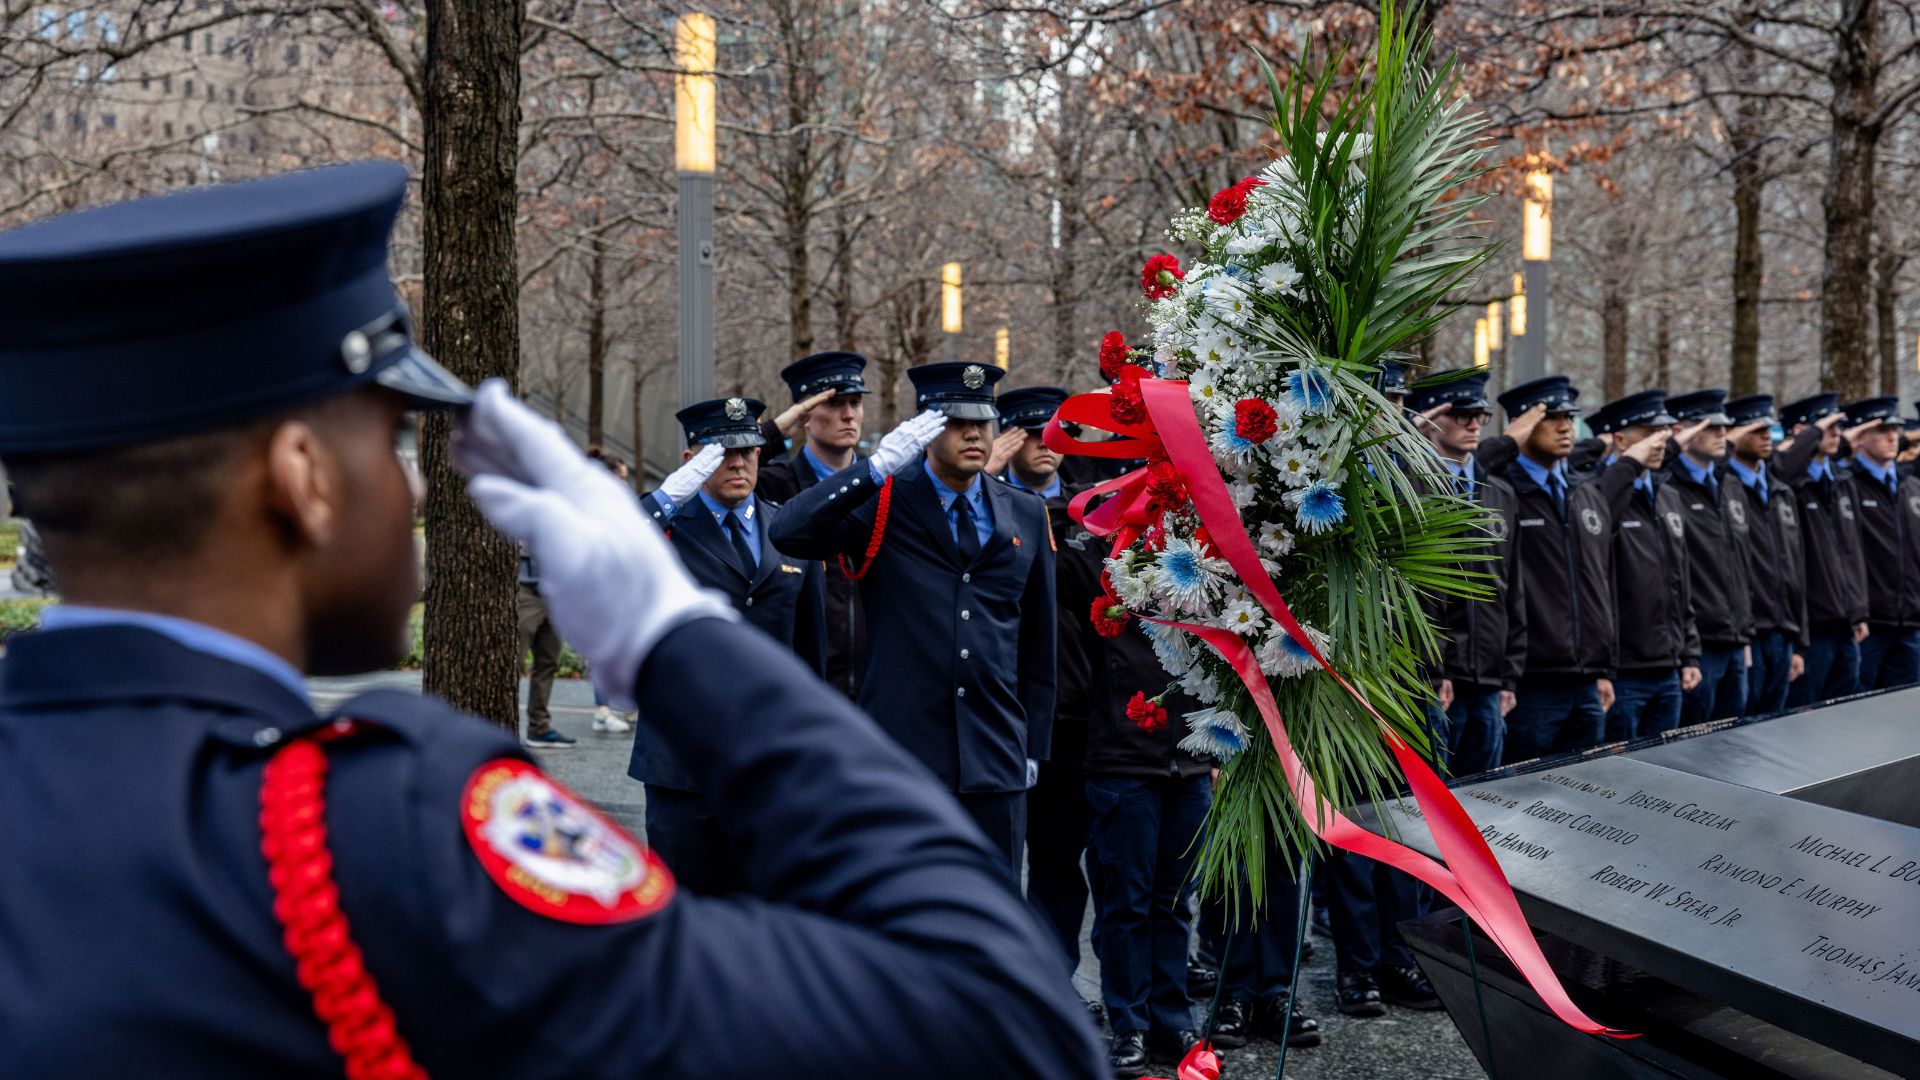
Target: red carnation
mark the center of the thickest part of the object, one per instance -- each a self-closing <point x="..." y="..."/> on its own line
<point x="1109" y="615"/>
<point x="1147" y="714"/>
<point x="1254" y="420"/>
<point x="1154" y="539"/>
<point x="1165" y="488"/>
<point x="1113" y="355"/>
<point x="1205" y="539"/>
<point x="1160" y="274"/>
<point x="1128" y="405"/>
<point x="1230" y="202"/>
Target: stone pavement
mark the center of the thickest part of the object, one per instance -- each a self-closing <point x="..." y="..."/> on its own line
<point x="1402" y="1045"/>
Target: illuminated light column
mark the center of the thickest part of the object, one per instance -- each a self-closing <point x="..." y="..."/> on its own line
<point x="695" y="50"/>
<point x="950" y="321"/>
<point x="1536" y="251"/>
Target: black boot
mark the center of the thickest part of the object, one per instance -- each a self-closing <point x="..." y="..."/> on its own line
<point x="1128" y="1054"/>
<point x="1230" y="1025"/>
<point x="1279" y="1018"/>
<point x="1407" y="988"/>
<point x="1201" y="980"/>
<point x="1170" y="1046"/>
<point x="1359" y="995"/>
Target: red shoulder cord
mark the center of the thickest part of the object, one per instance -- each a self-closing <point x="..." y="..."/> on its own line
<point x="293" y="836"/>
<point x="873" y="542"/>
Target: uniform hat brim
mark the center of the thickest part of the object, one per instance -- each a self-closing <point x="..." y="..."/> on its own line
<point x="731" y="440"/>
<point x="967" y="410"/>
<point x="421" y="380"/>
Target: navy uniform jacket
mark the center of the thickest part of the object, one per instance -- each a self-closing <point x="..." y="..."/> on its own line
<point x="781" y="479"/>
<point x="960" y="665"/>
<point x="137" y="933"/>
<point x="783" y="597"/>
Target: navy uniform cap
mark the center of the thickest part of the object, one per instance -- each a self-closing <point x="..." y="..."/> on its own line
<point x="1707" y="405"/>
<point x="188" y="312"/>
<point x="730" y="422"/>
<point x="1030" y="407"/>
<point x="841" y="372"/>
<point x="1644" y="408"/>
<point x="1867" y="410"/>
<point x="1391" y="379"/>
<point x="1556" y="392"/>
<point x="1750" y="410"/>
<point x="962" y="390"/>
<point x="1460" y="392"/>
<point x="1810" y="409"/>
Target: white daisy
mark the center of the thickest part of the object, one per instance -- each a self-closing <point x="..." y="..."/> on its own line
<point x="1278" y="277"/>
<point x="1275" y="539"/>
<point x="1227" y="299"/>
<point x="1242" y="616"/>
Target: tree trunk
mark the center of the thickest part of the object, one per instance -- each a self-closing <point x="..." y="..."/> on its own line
<point x="1886" y="267"/>
<point x="1663" y="349"/>
<point x="1749" y="261"/>
<point x="470" y="320"/>
<point x="1613" y="341"/>
<point x="1847" y="362"/>
<point x="640" y="373"/>
<point x="797" y="181"/>
<point x="845" y="315"/>
<point x="597" y="341"/>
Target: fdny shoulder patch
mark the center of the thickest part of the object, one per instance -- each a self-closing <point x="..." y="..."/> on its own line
<point x="555" y="855"/>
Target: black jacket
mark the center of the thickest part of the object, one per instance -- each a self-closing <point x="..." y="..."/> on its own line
<point x="1652" y="587"/>
<point x="782" y="597"/>
<point x="1103" y="674"/>
<point x="1566" y="566"/>
<point x="1836" y="578"/>
<point x="1719" y="553"/>
<point x="960" y="664"/>
<point x="1484" y="642"/>
<point x="781" y="479"/>
<point x="1890" y="548"/>
<point x="1777" y="561"/>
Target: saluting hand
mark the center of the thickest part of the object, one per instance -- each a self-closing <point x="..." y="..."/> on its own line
<point x="1005" y="445"/>
<point x="904" y="443"/>
<point x="1520" y="428"/>
<point x="1649" y="452"/>
<point x="795" y="416"/>
<point x="682" y="482"/>
<point x="613" y="585"/>
<point x="1684" y="435"/>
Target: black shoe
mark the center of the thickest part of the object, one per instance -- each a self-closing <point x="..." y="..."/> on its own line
<point x="1276" y="1018"/>
<point x="1359" y="995"/>
<point x="1407" y="988"/>
<point x="1230" y="1025"/>
<point x="548" y="740"/>
<point x="1201" y="980"/>
<point x="1169" y="1047"/>
<point x="1098" y="1012"/>
<point x="1128" y="1054"/>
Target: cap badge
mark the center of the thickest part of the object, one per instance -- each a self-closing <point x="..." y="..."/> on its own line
<point x="736" y="409"/>
<point x="356" y="351"/>
<point x="974" y="376"/>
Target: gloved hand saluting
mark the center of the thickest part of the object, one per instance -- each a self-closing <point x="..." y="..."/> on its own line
<point x="613" y="585"/>
<point x="682" y="482"/>
<point x="904" y="443"/>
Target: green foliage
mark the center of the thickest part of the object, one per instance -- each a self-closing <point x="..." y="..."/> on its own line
<point x="17" y="616"/>
<point x="571" y="664"/>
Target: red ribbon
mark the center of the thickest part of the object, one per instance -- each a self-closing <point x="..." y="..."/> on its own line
<point x="1475" y="881"/>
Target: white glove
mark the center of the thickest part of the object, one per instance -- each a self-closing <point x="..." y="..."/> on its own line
<point x="1033" y="773"/>
<point x="613" y="585"/>
<point x="904" y="443"/>
<point x="682" y="482"/>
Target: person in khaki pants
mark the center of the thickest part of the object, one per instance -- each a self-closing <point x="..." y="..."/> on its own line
<point x="537" y="633"/>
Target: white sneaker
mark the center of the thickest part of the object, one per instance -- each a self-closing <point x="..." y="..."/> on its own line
<point x="605" y="721"/>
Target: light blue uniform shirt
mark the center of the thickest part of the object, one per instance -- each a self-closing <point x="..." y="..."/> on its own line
<point x="1051" y="491"/>
<point x="1539" y="473"/>
<point x="821" y="470"/>
<point x="1884" y="474"/>
<point x="1643" y="482"/>
<point x="1702" y="474"/>
<point x="1758" y="480"/>
<point x="976" y="496"/>
<point x="749" y="527"/>
<point x="196" y="636"/>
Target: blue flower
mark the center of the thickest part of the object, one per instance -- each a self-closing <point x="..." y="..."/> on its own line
<point x="1295" y="650"/>
<point x="1216" y="733"/>
<point x="1321" y="508"/>
<point x="1310" y="390"/>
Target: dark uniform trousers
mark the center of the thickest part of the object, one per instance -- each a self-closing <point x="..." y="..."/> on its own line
<point x="783" y="598"/>
<point x="538" y="637"/>
<point x="1565" y="555"/>
<point x="1890" y="551"/>
<point x="1836" y="588"/>
<point x="1256" y="954"/>
<point x="1058" y="817"/>
<point x="878" y="919"/>
<point x="960" y="666"/>
<point x="780" y="480"/>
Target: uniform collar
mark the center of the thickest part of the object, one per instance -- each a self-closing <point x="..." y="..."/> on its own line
<point x="821" y="470"/>
<point x="1701" y="474"/>
<point x="1539" y="473"/>
<point x="1051" y="491"/>
<point x="194" y="635"/>
<point x="1750" y="477"/>
<point x="1882" y="473"/>
<point x="115" y="663"/>
<point x="720" y="510"/>
<point x="947" y="494"/>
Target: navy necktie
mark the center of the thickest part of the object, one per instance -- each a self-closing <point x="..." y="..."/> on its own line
<point x="737" y="532"/>
<point x="1557" y="487"/>
<point x="963" y="529"/>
